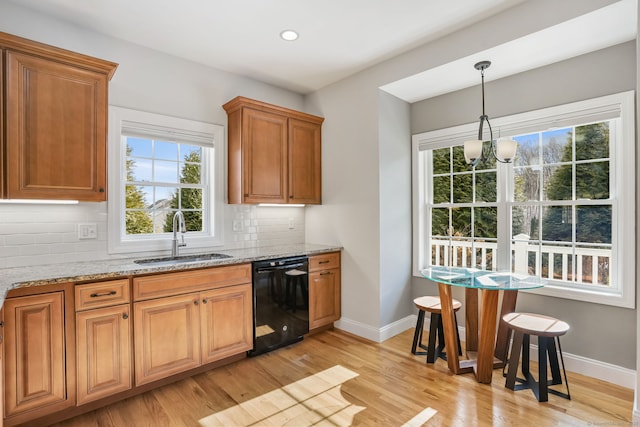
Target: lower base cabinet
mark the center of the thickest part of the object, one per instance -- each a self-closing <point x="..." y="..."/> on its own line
<point x="176" y="333"/>
<point x="35" y="363"/>
<point x="324" y="289"/>
<point x="103" y="345"/>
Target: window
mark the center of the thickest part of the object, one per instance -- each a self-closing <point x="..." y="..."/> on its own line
<point x="563" y="210"/>
<point x="161" y="165"/>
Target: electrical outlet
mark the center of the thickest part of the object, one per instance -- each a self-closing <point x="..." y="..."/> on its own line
<point x="237" y="225"/>
<point x="88" y="231"/>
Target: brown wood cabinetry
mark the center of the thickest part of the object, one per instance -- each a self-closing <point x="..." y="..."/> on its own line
<point x="103" y="339"/>
<point x="36" y="379"/>
<point x="177" y="329"/>
<point x="324" y="289"/>
<point x="55" y="122"/>
<point x="274" y="154"/>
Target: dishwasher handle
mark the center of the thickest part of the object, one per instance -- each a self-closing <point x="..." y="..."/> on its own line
<point x="278" y="268"/>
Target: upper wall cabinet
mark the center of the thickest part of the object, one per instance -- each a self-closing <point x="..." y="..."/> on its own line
<point x="54" y="115"/>
<point x="274" y="154"/>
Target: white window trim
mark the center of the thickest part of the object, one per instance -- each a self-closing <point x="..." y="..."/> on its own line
<point x="117" y="240"/>
<point x="624" y="183"/>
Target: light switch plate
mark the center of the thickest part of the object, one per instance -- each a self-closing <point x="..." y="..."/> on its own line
<point x="88" y="231"/>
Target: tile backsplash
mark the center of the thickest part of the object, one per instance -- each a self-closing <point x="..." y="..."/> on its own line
<point x="48" y="234"/>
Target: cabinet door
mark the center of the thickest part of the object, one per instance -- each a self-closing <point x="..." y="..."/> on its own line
<point x="227" y="322"/>
<point x="264" y="157"/>
<point x="34" y="345"/>
<point x="56" y="130"/>
<point x="103" y="345"/>
<point x="304" y="162"/>
<point x="167" y="337"/>
<point x="324" y="297"/>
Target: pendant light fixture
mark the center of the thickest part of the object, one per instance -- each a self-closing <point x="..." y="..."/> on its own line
<point x="504" y="149"/>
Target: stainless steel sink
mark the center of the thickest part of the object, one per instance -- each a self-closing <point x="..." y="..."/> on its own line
<point x="181" y="259"/>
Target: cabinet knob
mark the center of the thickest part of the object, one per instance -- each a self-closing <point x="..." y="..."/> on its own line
<point x="125" y="316"/>
<point x="195" y="302"/>
<point x="101" y="190"/>
<point x="1" y="324"/>
<point x="204" y="301"/>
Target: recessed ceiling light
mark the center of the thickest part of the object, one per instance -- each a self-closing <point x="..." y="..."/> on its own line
<point x="289" y="35"/>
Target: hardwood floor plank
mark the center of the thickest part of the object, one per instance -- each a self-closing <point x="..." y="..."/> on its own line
<point x="338" y="379"/>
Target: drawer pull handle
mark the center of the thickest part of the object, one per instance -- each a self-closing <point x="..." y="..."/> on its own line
<point x="325" y="273"/>
<point x="324" y="262"/>
<point x="105" y="294"/>
<point x="125" y="316"/>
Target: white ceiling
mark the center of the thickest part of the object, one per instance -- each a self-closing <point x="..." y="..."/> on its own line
<point x="337" y="37"/>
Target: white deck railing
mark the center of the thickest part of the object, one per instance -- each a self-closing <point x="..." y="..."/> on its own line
<point x="550" y="262"/>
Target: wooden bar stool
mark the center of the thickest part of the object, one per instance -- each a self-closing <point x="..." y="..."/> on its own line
<point x="548" y="330"/>
<point x="432" y="305"/>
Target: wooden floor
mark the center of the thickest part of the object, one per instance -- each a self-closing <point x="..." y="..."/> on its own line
<point x="337" y="379"/>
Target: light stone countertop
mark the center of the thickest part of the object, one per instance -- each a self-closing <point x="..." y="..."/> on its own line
<point x="39" y="275"/>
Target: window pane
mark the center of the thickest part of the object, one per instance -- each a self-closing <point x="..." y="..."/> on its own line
<point x="592" y="141"/>
<point x="528" y="153"/>
<point x="557" y="182"/>
<point x="165" y="150"/>
<point x="138" y="197"/>
<point x="557" y="223"/>
<point x="594" y="265"/>
<point x="594" y="224"/>
<point x="165" y="171"/>
<point x="486" y="187"/>
<point x="190" y="153"/>
<point x="138" y="169"/>
<point x="463" y="188"/>
<point x="485" y="222"/>
<point x="556" y="146"/>
<point x="441" y="161"/>
<point x="461" y="222"/>
<point x="167" y="193"/>
<point x="592" y="180"/>
<point x="526" y="184"/>
<point x="138" y="147"/>
<point x="441" y="189"/>
<point x="440" y="222"/>
<point x="193" y="220"/>
<point x="459" y="163"/>
<point x="525" y="220"/>
<point x="191" y="198"/>
<point x="190" y="173"/>
<point x="138" y="222"/>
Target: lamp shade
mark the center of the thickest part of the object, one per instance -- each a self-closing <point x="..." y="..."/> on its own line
<point x="506" y="149"/>
<point x="472" y="150"/>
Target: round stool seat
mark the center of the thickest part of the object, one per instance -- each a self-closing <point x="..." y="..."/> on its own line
<point x="536" y="324"/>
<point x="432" y="304"/>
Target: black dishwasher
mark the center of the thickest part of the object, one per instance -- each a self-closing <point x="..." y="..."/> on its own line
<point x="280" y="303"/>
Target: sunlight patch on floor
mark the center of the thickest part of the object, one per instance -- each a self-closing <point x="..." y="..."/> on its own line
<point x="313" y="400"/>
<point x="421" y="418"/>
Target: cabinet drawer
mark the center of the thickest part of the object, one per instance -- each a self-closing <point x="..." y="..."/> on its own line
<point x="102" y="294"/>
<point x="324" y="261"/>
<point x="161" y="285"/>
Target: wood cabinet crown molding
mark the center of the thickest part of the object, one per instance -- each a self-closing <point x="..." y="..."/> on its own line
<point x="16" y="43"/>
<point x="240" y="101"/>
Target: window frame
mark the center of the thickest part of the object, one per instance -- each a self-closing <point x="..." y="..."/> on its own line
<point x="623" y="196"/>
<point x="212" y="170"/>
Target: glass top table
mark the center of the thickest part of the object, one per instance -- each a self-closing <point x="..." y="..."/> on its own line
<point x="482" y="279"/>
<point x="486" y="346"/>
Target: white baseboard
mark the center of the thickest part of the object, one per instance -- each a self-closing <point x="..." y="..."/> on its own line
<point x="581" y="365"/>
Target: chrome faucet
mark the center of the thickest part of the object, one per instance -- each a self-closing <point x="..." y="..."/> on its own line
<point x="178" y="222"/>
